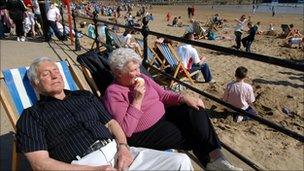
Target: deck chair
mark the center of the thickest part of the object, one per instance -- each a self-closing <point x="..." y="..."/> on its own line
<point x="18" y="89"/>
<point x="153" y="58"/>
<point x="175" y="63"/>
<point x="96" y="70"/>
<point x="117" y="42"/>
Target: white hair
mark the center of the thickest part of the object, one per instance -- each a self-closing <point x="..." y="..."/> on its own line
<point x="120" y="57"/>
<point x="32" y="71"/>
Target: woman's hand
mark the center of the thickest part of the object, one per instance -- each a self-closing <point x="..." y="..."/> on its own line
<point x="124" y="158"/>
<point x="193" y="102"/>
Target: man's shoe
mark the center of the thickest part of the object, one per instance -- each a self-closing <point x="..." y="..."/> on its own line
<point x="222" y="164"/>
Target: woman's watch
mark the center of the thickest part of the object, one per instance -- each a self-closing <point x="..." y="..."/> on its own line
<point x="124" y="144"/>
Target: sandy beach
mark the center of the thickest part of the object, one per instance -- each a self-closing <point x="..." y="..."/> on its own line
<point x="275" y="87"/>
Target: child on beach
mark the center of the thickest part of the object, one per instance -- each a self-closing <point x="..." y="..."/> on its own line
<point x="238" y="31"/>
<point x="247" y="41"/>
<point x="240" y="94"/>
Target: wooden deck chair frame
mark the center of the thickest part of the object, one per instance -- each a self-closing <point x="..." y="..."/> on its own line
<point x="153" y="58"/>
<point x="90" y="80"/>
<point x="116" y="39"/>
<point x="11" y="112"/>
<point x="118" y="42"/>
<point x="174" y="62"/>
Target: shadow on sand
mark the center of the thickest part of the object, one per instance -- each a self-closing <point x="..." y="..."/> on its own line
<point x="283" y="83"/>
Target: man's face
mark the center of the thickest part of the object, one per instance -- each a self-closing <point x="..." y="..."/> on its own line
<point x="50" y="81"/>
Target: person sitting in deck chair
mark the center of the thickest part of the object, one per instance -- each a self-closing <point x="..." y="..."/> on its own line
<point x="71" y="130"/>
<point x="293" y="32"/>
<point x="198" y="31"/>
<point x="157" y="118"/>
<point x="126" y="38"/>
<point x="191" y="59"/>
<point x="217" y="20"/>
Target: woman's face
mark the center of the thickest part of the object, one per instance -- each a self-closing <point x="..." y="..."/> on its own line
<point x="127" y="76"/>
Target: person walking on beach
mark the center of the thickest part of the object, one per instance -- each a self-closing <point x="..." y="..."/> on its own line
<point x="17" y="10"/>
<point x="190" y="11"/>
<point x="253" y="9"/>
<point x="240" y="94"/>
<point x="247" y="41"/>
<point x="168" y="17"/>
<point x="238" y="31"/>
<point x="54" y="16"/>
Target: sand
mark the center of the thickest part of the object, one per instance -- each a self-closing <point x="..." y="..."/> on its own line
<point x="275" y="87"/>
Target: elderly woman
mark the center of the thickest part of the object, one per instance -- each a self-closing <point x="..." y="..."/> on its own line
<point x="156" y="118"/>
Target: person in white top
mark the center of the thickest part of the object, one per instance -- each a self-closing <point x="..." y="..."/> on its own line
<point x="126" y="38"/>
<point x="191" y="59"/>
<point x="240" y="94"/>
<point x="29" y="22"/>
<point x="238" y="31"/>
<point x="53" y="16"/>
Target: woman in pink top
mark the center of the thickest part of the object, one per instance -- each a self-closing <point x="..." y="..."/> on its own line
<point x="240" y="94"/>
<point x="153" y="117"/>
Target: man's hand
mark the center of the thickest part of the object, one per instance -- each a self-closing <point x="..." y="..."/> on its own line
<point x="193" y="102"/>
<point x="124" y="158"/>
<point x="203" y="60"/>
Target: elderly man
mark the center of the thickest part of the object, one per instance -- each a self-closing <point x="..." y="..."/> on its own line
<point x="71" y="130"/>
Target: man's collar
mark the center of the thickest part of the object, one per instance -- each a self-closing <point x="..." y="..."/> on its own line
<point x="51" y="98"/>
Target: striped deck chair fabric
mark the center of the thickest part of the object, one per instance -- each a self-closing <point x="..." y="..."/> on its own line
<point x="151" y="55"/>
<point x="175" y="63"/>
<point x="20" y="89"/>
<point x="116" y="39"/>
<point x="167" y="53"/>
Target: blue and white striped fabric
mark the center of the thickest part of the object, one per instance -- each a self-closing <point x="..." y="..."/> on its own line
<point x="118" y="42"/>
<point x="22" y="93"/>
<point x="164" y="48"/>
<point x="150" y="53"/>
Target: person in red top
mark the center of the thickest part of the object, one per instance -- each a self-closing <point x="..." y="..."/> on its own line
<point x="28" y="3"/>
<point x="156" y="118"/>
<point x="168" y="17"/>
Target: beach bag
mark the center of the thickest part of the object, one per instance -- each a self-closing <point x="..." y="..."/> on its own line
<point x="211" y="35"/>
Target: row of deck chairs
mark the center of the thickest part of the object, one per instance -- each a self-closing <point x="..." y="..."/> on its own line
<point x="168" y="58"/>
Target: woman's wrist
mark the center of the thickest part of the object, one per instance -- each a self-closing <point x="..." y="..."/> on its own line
<point x="123" y="145"/>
